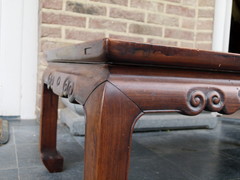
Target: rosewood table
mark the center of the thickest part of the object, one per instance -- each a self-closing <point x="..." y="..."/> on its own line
<point x="117" y="82"/>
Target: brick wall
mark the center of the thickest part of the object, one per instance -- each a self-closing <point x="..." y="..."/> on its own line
<point x="182" y="23"/>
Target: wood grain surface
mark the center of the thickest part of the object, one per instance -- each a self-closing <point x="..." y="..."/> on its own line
<point x="111" y="51"/>
<point x="117" y="82"/>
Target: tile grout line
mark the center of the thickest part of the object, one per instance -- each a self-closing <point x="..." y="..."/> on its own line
<point x="14" y="142"/>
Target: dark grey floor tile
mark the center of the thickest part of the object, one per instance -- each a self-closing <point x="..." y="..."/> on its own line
<point x="203" y="153"/>
<point x="232" y="153"/>
<point x="71" y="171"/>
<point x="138" y="151"/>
<point x="187" y="154"/>
<point x="37" y="173"/>
<point x="181" y="141"/>
<point x="160" y="143"/>
<point x="26" y="134"/>
<point x="206" y="165"/>
<point x="71" y="151"/>
<point x="147" y="165"/>
<point x="9" y="174"/>
<point x="28" y="155"/>
<point x="8" y="157"/>
<point x="156" y="168"/>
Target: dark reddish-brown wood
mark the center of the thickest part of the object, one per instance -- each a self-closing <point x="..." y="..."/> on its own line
<point x="50" y="156"/>
<point x="121" y="52"/>
<point x="117" y="82"/>
<point x="110" y="119"/>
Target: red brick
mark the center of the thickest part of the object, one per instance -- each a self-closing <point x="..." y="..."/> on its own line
<point x="187" y="45"/>
<point x="204" y="46"/>
<point x="176" y="1"/>
<point x="126" y="14"/>
<point x="83" y="35"/>
<point x="179" y="34"/>
<point x="145" y="29"/>
<point x="47" y="45"/>
<point x="41" y="61"/>
<point x="201" y="36"/>
<point x="189" y="2"/>
<point x="108" y="25"/>
<point x="205" y="24"/>
<point x="147" y="5"/>
<point x="52" y="4"/>
<point x="52" y="18"/>
<point x="162" y="42"/>
<point x="206" y="13"/>
<point x="86" y="8"/>
<point x="163" y="20"/>
<point x="188" y="23"/>
<point x="181" y="11"/>
<point x="126" y="38"/>
<point x="51" y="32"/>
<point x="118" y="2"/>
<point x="206" y="3"/>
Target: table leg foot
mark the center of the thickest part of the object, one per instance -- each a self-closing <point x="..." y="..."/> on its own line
<point x="53" y="161"/>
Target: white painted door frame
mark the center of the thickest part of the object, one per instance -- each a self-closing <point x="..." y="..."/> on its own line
<point x="222" y="22"/>
<point x="18" y="57"/>
<point x="29" y="59"/>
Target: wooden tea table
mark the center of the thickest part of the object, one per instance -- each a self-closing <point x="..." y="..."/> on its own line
<point x="119" y="81"/>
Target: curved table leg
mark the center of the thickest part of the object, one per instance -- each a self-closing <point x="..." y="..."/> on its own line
<point x="50" y="156"/>
<point x="110" y="118"/>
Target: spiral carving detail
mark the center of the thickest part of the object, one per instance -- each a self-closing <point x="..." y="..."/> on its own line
<point x="215" y="102"/>
<point x="197" y="101"/>
<point x="50" y="80"/>
<point x="68" y="87"/>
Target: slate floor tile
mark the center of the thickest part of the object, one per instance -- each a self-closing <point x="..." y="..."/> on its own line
<point x="72" y="171"/>
<point x="28" y="155"/>
<point x="146" y="165"/>
<point x="8" y="157"/>
<point x="206" y="165"/>
<point x="71" y="151"/>
<point x="9" y="174"/>
<point x="187" y="154"/>
<point x="26" y="134"/>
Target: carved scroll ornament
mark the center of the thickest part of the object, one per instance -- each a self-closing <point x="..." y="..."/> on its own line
<point x="210" y="100"/>
<point x="62" y="85"/>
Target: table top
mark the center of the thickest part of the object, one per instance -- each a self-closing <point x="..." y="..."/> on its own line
<point x="116" y="52"/>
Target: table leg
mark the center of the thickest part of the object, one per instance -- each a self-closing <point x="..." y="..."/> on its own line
<point x="110" y="118"/>
<point x="48" y="132"/>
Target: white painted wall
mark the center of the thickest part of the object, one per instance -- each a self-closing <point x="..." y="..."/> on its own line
<point x="18" y="57"/>
<point x="222" y="20"/>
